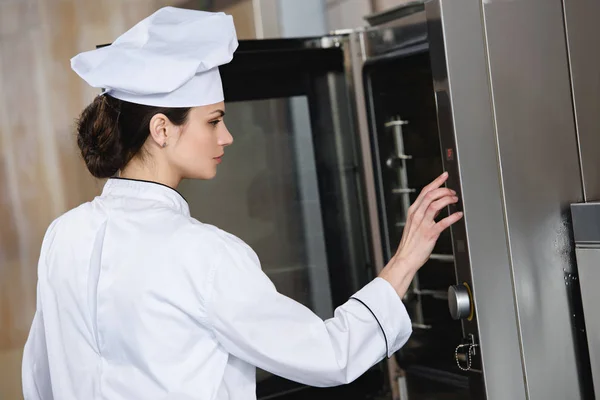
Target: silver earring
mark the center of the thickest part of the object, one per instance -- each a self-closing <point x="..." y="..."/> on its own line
<point x="164" y="145"/>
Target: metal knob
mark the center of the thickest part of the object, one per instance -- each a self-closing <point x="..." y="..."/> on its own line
<point x="459" y="302"/>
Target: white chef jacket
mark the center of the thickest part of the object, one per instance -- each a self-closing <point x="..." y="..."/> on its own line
<point x="138" y="300"/>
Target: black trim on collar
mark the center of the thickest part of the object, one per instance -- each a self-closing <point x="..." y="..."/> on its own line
<point x="142" y="180"/>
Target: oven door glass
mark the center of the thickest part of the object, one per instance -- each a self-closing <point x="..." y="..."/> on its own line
<point x="406" y="153"/>
<point x="289" y="185"/>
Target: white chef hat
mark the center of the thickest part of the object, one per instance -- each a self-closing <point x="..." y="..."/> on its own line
<point x="170" y="59"/>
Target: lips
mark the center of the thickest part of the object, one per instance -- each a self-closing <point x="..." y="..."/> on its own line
<point x="219" y="159"/>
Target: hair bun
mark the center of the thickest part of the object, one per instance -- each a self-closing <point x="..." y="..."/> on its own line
<point x="99" y="137"/>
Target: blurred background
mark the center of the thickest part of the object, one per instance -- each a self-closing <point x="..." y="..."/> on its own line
<point x="41" y="173"/>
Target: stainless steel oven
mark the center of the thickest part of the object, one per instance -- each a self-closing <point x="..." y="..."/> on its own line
<point x="336" y="135"/>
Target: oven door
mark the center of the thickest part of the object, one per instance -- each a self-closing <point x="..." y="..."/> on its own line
<point x="290" y="185"/>
<point x="405" y="143"/>
<point x="411" y="142"/>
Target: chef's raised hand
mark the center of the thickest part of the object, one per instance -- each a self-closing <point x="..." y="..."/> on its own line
<point x="420" y="234"/>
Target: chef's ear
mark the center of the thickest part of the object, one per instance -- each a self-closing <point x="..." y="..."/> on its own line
<point x="158" y="129"/>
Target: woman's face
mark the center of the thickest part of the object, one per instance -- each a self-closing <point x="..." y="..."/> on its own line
<point x="198" y="147"/>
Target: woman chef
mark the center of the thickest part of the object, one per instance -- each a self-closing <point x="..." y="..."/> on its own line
<point x="138" y="300"/>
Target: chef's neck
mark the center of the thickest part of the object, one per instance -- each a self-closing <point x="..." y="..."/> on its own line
<point x="147" y="170"/>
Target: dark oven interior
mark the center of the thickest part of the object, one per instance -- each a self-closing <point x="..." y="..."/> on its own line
<point x="406" y="154"/>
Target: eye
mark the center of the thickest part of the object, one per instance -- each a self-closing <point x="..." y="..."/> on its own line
<point x="215" y="122"/>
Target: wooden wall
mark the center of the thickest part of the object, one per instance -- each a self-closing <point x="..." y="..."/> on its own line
<point x="41" y="173"/>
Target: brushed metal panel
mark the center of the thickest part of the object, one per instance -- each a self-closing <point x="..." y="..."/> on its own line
<point x="588" y="264"/>
<point x="583" y="39"/>
<point x="586" y="223"/>
<point x="538" y="152"/>
<point x="465" y="120"/>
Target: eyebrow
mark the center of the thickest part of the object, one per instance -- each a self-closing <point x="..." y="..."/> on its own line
<point x="221" y="113"/>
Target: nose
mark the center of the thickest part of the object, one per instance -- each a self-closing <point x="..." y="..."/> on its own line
<point x="225" y="138"/>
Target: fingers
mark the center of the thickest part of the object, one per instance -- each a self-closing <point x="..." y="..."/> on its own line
<point x="439" y="181"/>
<point x="446" y="223"/>
<point x="427" y="201"/>
<point x="435" y="207"/>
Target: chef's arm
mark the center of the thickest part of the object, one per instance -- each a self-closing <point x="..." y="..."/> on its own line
<point x="257" y="324"/>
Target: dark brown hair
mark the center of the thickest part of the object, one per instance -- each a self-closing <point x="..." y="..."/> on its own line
<point x="110" y="132"/>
